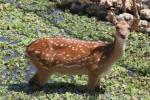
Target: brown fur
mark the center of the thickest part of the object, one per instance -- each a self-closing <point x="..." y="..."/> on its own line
<point x="135" y="24"/>
<point x="71" y="56"/>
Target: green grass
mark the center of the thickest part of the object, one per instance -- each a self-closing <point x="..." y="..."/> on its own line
<point x="22" y="21"/>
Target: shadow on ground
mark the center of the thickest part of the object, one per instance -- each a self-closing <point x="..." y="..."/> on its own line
<point x="59" y="88"/>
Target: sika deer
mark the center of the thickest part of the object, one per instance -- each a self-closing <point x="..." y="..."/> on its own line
<point x="76" y="57"/>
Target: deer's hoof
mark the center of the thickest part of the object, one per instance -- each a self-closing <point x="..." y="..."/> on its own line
<point x="34" y="84"/>
<point x="100" y="88"/>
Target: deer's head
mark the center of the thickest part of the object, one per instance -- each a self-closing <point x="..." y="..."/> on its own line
<point x="122" y="27"/>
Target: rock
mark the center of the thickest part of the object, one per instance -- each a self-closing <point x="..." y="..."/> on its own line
<point x="143" y="23"/>
<point x="146" y="3"/>
<point x="126" y="16"/>
<point x="86" y="7"/>
<point x="149" y="4"/>
<point x="131" y="73"/>
<point x="119" y="4"/>
<point x="145" y="14"/>
<point x="147" y="30"/>
<point x="108" y="2"/>
<point x="144" y="27"/>
<point x="100" y="12"/>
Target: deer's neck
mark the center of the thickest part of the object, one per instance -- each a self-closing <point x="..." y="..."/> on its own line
<point x="119" y="46"/>
<point x="112" y="55"/>
<point x="115" y="53"/>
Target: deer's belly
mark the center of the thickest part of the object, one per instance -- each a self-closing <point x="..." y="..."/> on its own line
<point x="71" y="69"/>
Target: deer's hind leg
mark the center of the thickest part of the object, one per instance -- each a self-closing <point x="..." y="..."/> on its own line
<point x="41" y="76"/>
<point x="92" y="81"/>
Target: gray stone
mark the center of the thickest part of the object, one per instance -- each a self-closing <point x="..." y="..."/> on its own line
<point x="126" y="16"/>
<point x="146" y="3"/>
<point x="148" y="31"/>
<point x="143" y="23"/>
<point x="145" y="14"/>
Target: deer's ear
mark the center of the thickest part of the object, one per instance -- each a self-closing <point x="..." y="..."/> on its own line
<point x="112" y="17"/>
<point x="135" y="24"/>
<point x="115" y="20"/>
<point x="129" y="25"/>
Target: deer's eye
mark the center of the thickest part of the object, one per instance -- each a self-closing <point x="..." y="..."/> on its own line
<point x="117" y="28"/>
<point x="129" y="28"/>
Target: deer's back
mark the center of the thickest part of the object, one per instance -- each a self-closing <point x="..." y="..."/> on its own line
<point x="58" y="51"/>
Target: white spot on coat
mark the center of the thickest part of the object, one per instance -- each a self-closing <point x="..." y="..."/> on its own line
<point x="37" y="52"/>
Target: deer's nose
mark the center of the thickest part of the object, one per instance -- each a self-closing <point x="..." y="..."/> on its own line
<point x="122" y="36"/>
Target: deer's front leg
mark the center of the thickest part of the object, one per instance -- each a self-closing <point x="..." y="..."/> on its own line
<point x="92" y="81"/>
<point x="98" y="83"/>
<point x="39" y="79"/>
